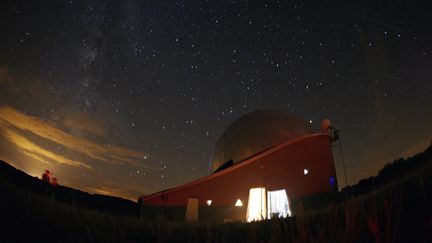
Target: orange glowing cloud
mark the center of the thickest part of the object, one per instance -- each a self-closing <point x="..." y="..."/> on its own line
<point x="80" y="122"/>
<point x="113" y="190"/>
<point x="34" y="151"/>
<point x="12" y="121"/>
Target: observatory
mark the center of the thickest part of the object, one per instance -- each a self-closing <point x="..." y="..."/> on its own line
<point x="256" y="132"/>
<point x="261" y="163"/>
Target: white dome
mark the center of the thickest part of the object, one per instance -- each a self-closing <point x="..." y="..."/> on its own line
<point x="255" y="132"/>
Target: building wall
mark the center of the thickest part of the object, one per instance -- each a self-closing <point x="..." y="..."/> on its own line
<point x="278" y="168"/>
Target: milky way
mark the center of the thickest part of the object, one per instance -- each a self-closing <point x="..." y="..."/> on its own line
<point x="130" y="97"/>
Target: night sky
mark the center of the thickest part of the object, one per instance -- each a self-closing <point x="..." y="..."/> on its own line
<point x="129" y="97"/>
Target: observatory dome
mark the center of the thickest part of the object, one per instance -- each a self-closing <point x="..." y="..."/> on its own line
<point x="255" y="132"/>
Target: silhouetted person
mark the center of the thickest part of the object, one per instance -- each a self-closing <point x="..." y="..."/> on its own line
<point x="54" y="182"/>
<point x="46" y="176"/>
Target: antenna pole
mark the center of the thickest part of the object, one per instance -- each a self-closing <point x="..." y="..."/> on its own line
<point x="343" y="162"/>
<point x="337" y="138"/>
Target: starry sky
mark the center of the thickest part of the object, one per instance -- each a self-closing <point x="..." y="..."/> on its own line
<point x="129" y="97"/>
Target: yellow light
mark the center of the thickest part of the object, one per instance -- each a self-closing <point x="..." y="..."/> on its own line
<point x="278" y="204"/>
<point x="257" y="208"/>
<point x="239" y="203"/>
<point x="209" y="202"/>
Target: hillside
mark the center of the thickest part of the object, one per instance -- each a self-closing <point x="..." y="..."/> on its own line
<point x="33" y="185"/>
<point x="395" y="206"/>
<point x="391" y="172"/>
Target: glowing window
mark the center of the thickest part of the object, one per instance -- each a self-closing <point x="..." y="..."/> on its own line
<point x="278" y="205"/>
<point x="239" y="203"/>
<point x="257" y="208"/>
<point x="305" y="171"/>
<point x="209" y="202"/>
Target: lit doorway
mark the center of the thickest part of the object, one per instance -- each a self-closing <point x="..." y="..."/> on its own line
<point x="262" y="205"/>
<point x="278" y="204"/>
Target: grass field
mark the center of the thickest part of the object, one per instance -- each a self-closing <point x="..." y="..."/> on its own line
<point x="398" y="211"/>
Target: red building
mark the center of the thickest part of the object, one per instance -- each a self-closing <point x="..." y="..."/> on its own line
<point x="261" y="162"/>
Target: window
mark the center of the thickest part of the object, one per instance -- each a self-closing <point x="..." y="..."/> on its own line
<point x="239" y="203"/>
<point x="278" y="205"/>
<point x="262" y="205"/>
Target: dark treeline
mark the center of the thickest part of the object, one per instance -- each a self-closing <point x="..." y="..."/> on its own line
<point x="106" y="204"/>
<point x="388" y="174"/>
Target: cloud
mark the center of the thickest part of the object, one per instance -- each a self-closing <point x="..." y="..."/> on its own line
<point x="85" y="123"/>
<point x="36" y="152"/>
<point x="35" y="156"/>
<point x="79" y="122"/>
<point x="13" y="120"/>
<point x="112" y="190"/>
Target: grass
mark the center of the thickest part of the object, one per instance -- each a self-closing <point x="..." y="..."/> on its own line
<point x="399" y="211"/>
